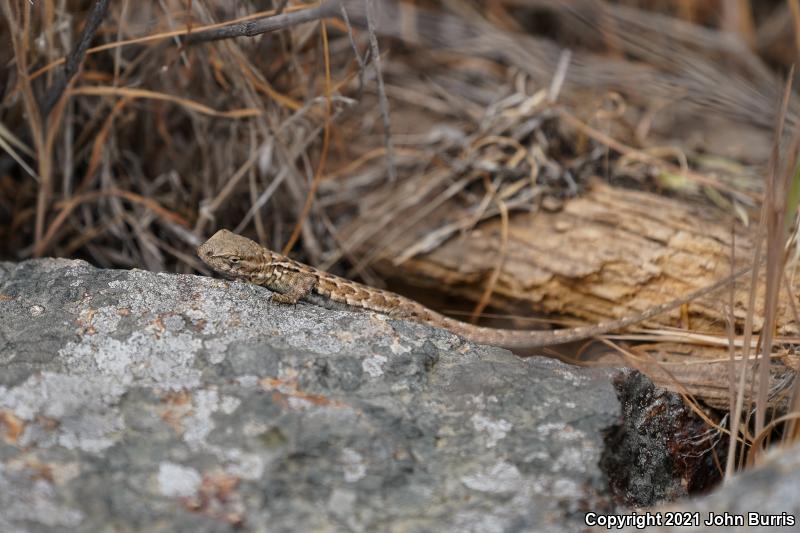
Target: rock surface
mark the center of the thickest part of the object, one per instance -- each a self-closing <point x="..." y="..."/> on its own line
<point x="761" y="500"/>
<point x="139" y="401"/>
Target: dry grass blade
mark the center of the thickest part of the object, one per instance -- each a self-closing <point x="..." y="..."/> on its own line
<point x="7" y="142"/>
<point x="779" y="180"/>
<point x="19" y="40"/>
<point x="766" y="433"/>
<point x="773" y="222"/>
<point x="76" y="201"/>
<point x="12" y="140"/>
<point x="326" y="136"/>
<point x="501" y="258"/>
<point x="382" y="100"/>
<point x="127" y="92"/>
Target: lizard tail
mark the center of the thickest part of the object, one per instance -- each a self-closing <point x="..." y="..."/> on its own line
<point x="512" y="338"/>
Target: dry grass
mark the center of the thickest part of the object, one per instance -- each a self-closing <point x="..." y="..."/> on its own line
<point x="127" y="142"/>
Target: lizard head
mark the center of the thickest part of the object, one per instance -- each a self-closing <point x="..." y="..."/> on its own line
<point x="231" y="254"/>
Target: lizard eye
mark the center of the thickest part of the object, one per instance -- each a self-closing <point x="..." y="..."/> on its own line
<point x="233" y="260"/>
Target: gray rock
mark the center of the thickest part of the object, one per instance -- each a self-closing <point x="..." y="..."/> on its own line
<point x="138" y="401"/>
<point x="763" y="499"/>
<point x="661" y="451"/>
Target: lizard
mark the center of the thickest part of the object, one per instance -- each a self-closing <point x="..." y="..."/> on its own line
<point x="238" y="257"/>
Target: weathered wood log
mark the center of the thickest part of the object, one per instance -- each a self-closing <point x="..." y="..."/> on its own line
<point x="611" y="253"/>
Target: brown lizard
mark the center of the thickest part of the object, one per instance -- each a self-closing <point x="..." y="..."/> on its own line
<point x="240" y="258"/>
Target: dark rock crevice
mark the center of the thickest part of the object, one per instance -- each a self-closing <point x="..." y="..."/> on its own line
<point x="660" y="451"/>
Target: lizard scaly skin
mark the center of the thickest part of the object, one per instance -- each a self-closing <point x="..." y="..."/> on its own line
<point x="240" y="258"/>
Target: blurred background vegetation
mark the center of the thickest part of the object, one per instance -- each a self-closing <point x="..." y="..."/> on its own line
<point x="320" y="137"/>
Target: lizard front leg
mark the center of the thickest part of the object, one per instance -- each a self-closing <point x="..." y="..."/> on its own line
<point x="298" y="285"/>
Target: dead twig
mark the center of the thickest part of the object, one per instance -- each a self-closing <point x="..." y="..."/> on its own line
<point x="383" y="102"/>
<point x="75" y="58"/>
<point x="251" y="28"/>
